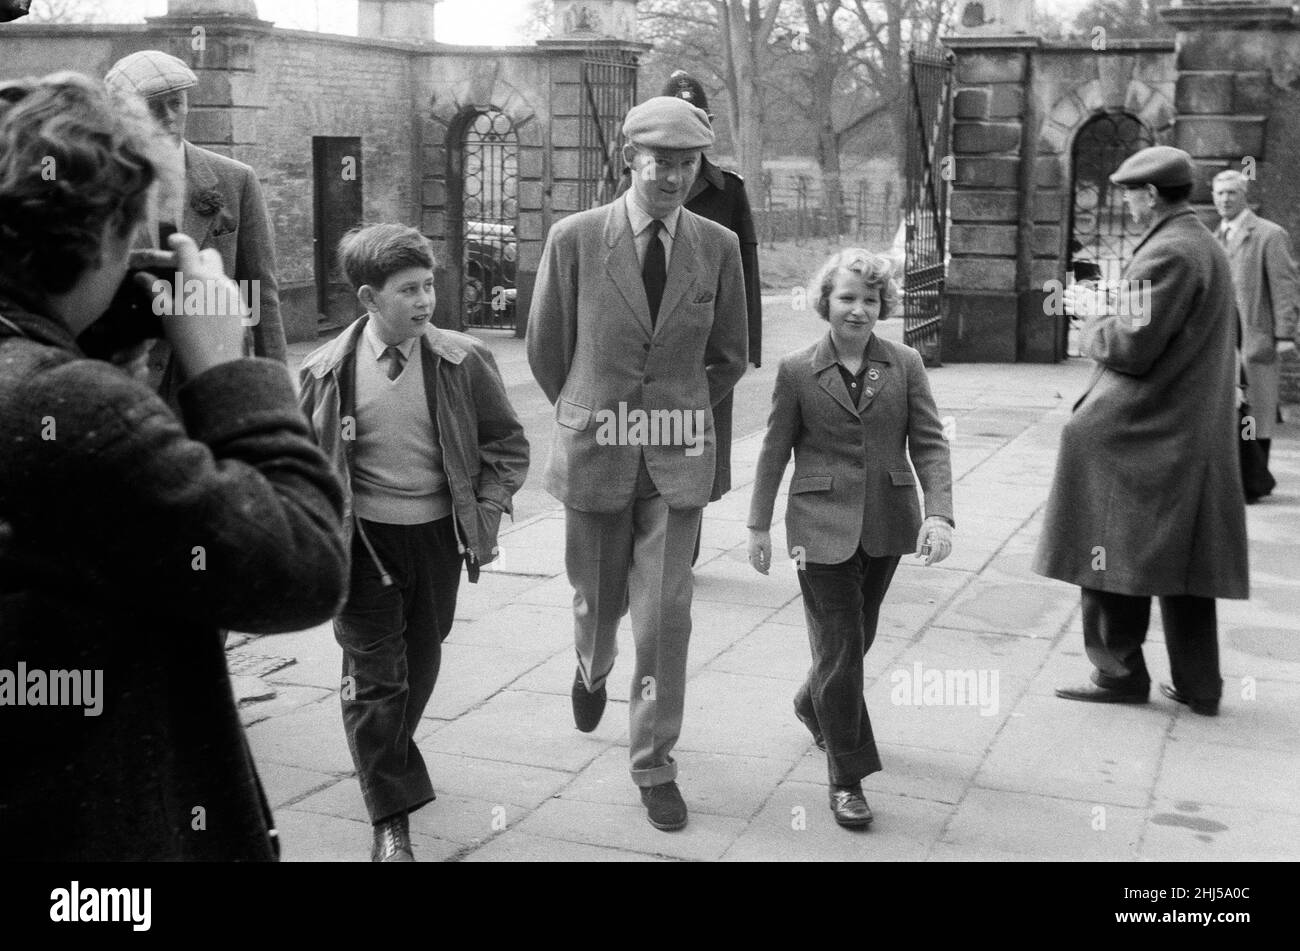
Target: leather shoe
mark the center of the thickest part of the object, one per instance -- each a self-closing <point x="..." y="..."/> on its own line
<point x="1206" y="708"/>
<point x="850" y="807"/>
<point x="816" y="733"/>
<point x="1091" y="693"/>
<point x="392" y="840"/>
<point x="588" y="706"/>
<point x="664" y="805"/>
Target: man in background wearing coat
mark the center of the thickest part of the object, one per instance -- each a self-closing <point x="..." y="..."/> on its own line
<point x="719" y="195"/>
<point x="1147" y="498"/>
<point x="1268" y="304"/>
<point x="639" y="309"/>
<point x="222" y="207"/>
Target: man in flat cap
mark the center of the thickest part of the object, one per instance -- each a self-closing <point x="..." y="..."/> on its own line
<point x="719" y="195"/>
<point x="1147" y="498"/>
<point x="1268" y="305"/>
<point x="221" y="207"/>
<point x="637" y="330"/>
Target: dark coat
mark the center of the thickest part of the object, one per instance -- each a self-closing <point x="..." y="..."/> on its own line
<point x="1147" y="497"/>
<point x="852" y="483"/>
<point x="719" y="195"/>
<point x="136" y="537"/>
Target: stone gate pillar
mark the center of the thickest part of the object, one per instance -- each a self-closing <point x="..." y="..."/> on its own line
<point x="1238" y="101"/>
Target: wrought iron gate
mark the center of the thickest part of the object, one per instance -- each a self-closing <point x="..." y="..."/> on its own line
<point x="489" y="220"/>
<point x="1100" y="230"/>
<point x="925" y="208"/>
<point x="608" y="92"/>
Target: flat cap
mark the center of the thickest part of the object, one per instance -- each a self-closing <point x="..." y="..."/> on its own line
<point x="666" y="122"/>
<point x="150" y="73"/>
<point x="1159" y="165"/>
<point x="685" y="86"/>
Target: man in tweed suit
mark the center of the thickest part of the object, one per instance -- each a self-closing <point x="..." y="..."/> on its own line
<point x="221" y="206"/>
<point x="638" y="314"/>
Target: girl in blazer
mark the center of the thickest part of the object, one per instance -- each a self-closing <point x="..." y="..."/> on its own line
<point x="853" y="408"/>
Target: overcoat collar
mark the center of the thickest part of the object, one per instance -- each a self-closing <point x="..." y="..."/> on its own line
<point x="1160" y="222"/>
<point x="22" y="318"/>
<point x="825" y="363"/>
<point x="624" y="269"/>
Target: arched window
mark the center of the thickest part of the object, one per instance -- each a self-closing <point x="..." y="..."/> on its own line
<point x="489" y="192"/>
<point x="1100" y="230"/>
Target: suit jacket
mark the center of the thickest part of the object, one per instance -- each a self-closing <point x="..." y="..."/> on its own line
<point x="240" y="230"/>
<point x="852" y="484"/>
<point x="1147" y="496"/>
<point x="1268" y="305"/>
<point x="592" y="349"/>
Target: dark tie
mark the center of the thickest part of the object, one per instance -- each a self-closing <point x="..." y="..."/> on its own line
<point x="393" y="357"/>
<point x="654" y="272"/>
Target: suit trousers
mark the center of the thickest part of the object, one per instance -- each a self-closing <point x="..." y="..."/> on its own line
<point x="1115" y="627"/>
<point x="392" y="637"/>
<point x="638" y="558"/>
<point x="842" y="606"/>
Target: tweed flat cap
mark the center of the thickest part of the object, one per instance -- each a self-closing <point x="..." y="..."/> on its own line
<point x="666" y="122"/>
<point x="150" y="73"/>
<point x="685" y="86"/>
<point x="1159" y="165"/>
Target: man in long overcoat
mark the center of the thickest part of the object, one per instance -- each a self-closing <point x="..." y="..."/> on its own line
<point x="1147" y="498"/>
<point x="1268" y="303"/>
<point x="639" y="311"/>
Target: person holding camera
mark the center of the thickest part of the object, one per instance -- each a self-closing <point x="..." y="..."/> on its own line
<point x="134" y="534"/>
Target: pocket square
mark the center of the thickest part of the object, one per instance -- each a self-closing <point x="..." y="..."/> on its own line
<point x="704" y="297"/>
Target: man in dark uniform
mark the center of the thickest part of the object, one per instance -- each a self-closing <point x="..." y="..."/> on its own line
<point x="719" y="195"/>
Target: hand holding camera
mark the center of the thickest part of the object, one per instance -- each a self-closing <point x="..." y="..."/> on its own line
<point x="204" y="322"/>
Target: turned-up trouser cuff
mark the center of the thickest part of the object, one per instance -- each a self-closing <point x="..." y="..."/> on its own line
<point x="638" y="558"/>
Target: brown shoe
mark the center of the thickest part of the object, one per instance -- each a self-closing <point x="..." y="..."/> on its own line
<point x="850" y="806"/>
<point x="392" y="840"/>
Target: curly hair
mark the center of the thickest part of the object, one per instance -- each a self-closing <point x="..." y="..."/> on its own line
<point x="876" y="270"/>
<point x="72" y="158"/>
<point x="374" y="254"/>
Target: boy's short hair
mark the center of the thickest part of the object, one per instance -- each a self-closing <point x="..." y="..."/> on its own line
<point x="373" y="254"/>
<point x="876" y="270"/>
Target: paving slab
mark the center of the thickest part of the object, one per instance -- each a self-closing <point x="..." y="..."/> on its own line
<point x="1005" y="824"/>
<point x="314" y="837"/>
<point x="910" y="771"/>
<point x="1185" y="830"/>
<point x="1108" y="754"/>
<point x="309" y="737"/>
<point x="516" y="846"/>
<point x="625" y="828"/>
<point x="470" y="674"/>
<point x="720" y="784"/>
<point x="747" y="716"/>
<point x="1231" y="776"/>
<point x="797" y="825"/>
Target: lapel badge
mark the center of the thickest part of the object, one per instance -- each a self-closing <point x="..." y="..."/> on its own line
<point x="873" y="374"/>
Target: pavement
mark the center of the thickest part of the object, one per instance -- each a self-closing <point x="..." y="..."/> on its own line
<point x="981" y="761"/>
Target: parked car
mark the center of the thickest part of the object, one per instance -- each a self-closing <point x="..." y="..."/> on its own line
<point x="491" y="254"/>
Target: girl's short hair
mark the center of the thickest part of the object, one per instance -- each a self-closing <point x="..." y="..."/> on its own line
<point x="72" y="158"/>
<point x="876" y="270"/>
<point x="373" y="254"/>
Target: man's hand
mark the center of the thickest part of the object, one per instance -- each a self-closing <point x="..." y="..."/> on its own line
<point x="760" y="550"/>
<point x="204" y="340"/>
<point x="937" y="534"/>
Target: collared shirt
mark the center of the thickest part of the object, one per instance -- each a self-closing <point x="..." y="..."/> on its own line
<point x="640" y="222"/>
<point x="1230" y="226"/>
<point x="376" y="347"/>
<point x="854" y="382"/>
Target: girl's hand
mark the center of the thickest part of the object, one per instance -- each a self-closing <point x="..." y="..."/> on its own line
<point x="938" y="533"/>
<point x="760" y="550"/>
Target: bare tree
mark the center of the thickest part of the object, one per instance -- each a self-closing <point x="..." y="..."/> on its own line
<point x="66" y="11"/>
<point x="725" y="40"/>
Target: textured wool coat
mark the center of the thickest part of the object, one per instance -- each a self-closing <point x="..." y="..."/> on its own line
<point x="596" y="356"/>
<point x="1268" y="303"/>
<point x="136" y="536"/>
<point x="1147" y="496"/>
<point x="852" y="484"/>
